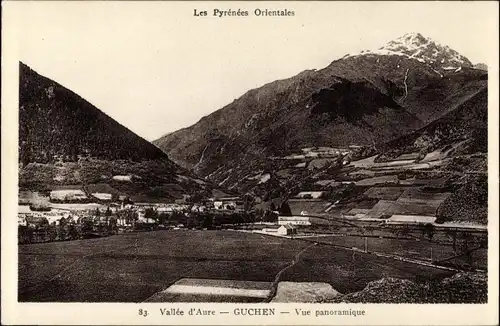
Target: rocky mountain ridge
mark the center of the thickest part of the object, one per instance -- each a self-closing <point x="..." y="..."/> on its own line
<point x="366" y="99"/>
<point x="425" y="50"/>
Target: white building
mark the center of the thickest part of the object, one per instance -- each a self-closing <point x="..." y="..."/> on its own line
<point x="141" y="217"/>
<point x="21" y="220"/>
<point x="55" y="218"/>
<point x="166" y="209"/>
<point x="126" y="178"/>
<point x="312" y="194"/>
<point x="270" y="230"/>
<point x="219" y="204"/>
<point x="286" y="230"/>
<point x="123" y="221"/>
<point x="146" y="220"/>
<point x="169" y="208"/>
<point x="198" y="208"/>
<point x="102" y="195"/>
<point x="141" y="214"/>
<point x="294" y="220"/>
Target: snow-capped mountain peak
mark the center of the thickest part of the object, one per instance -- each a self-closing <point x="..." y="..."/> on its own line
<point x="425" y="50"/>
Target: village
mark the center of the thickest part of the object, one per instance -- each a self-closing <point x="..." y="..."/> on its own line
<point x="72" y="214"/>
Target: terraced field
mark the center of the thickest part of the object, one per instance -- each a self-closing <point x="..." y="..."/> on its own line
<point x="388" y="207"/>
<point x="297" y="206"/>
<point x="133" y="267"/>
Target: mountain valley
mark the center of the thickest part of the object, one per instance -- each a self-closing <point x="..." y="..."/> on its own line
<point x="416" y="109"/>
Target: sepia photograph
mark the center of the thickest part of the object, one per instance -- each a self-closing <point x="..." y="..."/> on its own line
<point x="329" y="153"/>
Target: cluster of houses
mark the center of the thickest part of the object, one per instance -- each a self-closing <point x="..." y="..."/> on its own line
<point x="55" y="216"/>
<point x="29" y="218"/>
<point x="78" y="195"/>
<point x="75" y="208"/>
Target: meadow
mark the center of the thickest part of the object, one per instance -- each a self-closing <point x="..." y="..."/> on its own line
<point x="133" y="267"/>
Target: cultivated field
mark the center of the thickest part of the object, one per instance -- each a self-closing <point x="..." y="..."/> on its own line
<point x="420" y="250"/>
<point x="310" y="206"/>
<point x="387" y="193"/>
<point x="133" y="267"/>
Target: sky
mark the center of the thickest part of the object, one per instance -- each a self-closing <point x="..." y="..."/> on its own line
<point x="155" y="67"/>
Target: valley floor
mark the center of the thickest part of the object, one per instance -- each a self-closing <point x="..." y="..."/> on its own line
<point x="134" y="267"/>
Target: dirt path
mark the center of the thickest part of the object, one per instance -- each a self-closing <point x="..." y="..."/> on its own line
<point x="274" y="286"/>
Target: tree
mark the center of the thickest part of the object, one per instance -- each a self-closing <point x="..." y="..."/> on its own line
<point x="483" y="242"/>
<point x="130" y="216"/>
<point x="72" y="231"/>
<point x="270" y="217"/>
<point x="259" y="214"/>
<point x="465" y="244"/>
<point x="150" y="213"/>
<point x="162" y="218"/>
<point x="195" y="198"/>
<point x="405" y="230"/>
<point x="207" y="222"/>
<point x="191" y="223"/>
<point x="113" y="224"/>
<point x="61" y="232"/>
<point x="62" y="221"/>
<point x="453" y="234"/>
<point x="429" y="230"/>
<point x="285" y="209"/>
<point x="52" y="232"/>
<point x="249" y="201"/>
